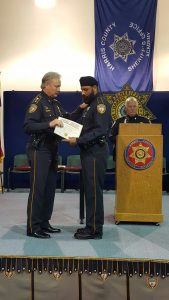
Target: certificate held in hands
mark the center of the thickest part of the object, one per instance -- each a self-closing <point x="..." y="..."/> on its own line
<point x="69" y="129"/>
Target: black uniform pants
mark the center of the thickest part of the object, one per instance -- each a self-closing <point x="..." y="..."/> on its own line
<point x="42" y="186"/>
<point x="94" y="163"/>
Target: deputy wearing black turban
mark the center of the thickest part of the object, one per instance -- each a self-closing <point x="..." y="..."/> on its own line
<point x="96" y="121"/>
<point x="88" y="81"/>
<point x="89" y="87"/>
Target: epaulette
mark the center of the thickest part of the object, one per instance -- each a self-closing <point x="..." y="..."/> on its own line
<point x="37" y="99"/>
<point x="34" y="105"/>
<point x="100" y="100"/>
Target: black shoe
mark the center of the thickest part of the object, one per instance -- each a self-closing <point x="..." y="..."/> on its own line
<point x="83" y="229"/>
<point x="51" y="229"/>
<point x="87" y="235"/>
<point x="39" y="234"/>
<point x="87" y="230"/>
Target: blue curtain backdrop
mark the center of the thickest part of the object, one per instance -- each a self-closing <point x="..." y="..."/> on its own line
<point x="124" y="43"/>
<point x="15" y="105"/>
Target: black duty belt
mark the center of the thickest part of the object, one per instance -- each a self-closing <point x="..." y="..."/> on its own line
<point x="98" y="141"/>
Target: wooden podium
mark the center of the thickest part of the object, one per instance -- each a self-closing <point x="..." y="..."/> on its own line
<point x="138" y="191"/>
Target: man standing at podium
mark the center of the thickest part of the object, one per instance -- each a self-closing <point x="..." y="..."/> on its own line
<point x="131" y="110"/>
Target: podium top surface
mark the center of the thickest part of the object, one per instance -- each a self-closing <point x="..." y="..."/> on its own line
<point x="140" y="129"/>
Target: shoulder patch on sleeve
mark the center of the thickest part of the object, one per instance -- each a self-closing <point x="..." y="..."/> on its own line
<point x="101" y="108"/>
<point x="33" y="107"/>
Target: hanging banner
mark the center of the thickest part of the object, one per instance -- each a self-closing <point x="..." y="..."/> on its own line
<point x="124" y="44"/>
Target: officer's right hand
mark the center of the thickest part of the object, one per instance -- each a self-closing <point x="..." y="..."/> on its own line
<point x="55" y="122"/>
<point x="72" y="141"/>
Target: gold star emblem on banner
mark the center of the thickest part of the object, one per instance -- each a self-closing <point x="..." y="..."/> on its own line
<point x="122" y="47"/>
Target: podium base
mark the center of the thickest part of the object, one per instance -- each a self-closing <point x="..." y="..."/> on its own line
<point x="135" y="217"/>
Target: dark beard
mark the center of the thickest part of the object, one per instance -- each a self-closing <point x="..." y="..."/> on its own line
<point x="88" y="99"/>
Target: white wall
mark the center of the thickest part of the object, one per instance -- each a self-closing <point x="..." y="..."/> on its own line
<point x="35" y="41"/>
<point x="161" y="51"/>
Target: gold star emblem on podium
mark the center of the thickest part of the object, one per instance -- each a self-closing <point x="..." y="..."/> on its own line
<point x="140" y="154"/>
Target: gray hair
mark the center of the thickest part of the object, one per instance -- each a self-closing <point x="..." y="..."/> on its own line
<point x="131" y="99"/>
<point x="48" y="77"/>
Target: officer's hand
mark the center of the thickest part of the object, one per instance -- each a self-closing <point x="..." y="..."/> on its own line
<point x="83" y="105"/>
<point x="72" y="141"/>
<point x="56" y="122"/>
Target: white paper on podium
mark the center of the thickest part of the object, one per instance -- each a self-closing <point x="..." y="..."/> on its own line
<point x="69" y="129"/>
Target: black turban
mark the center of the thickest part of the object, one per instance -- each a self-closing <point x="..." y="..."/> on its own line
<point x="88" y="81"/>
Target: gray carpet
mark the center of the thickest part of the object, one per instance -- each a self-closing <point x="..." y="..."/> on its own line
<point x="129" y="240"/>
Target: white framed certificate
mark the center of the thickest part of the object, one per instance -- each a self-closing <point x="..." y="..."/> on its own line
<point x="69" y="129"/>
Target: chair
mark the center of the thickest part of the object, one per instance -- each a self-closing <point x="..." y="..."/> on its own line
<point x="110" y="165"/>
<point x="165" y="175"/>
<point x="110" y="171"/>
<point x="59" y="161"/>
<point x="20" y="166"/>
<point x="60" y="169"/>
<point x="164" y="166"/>
<point x="73" y="166"/>
<point x="74" y="162"/>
